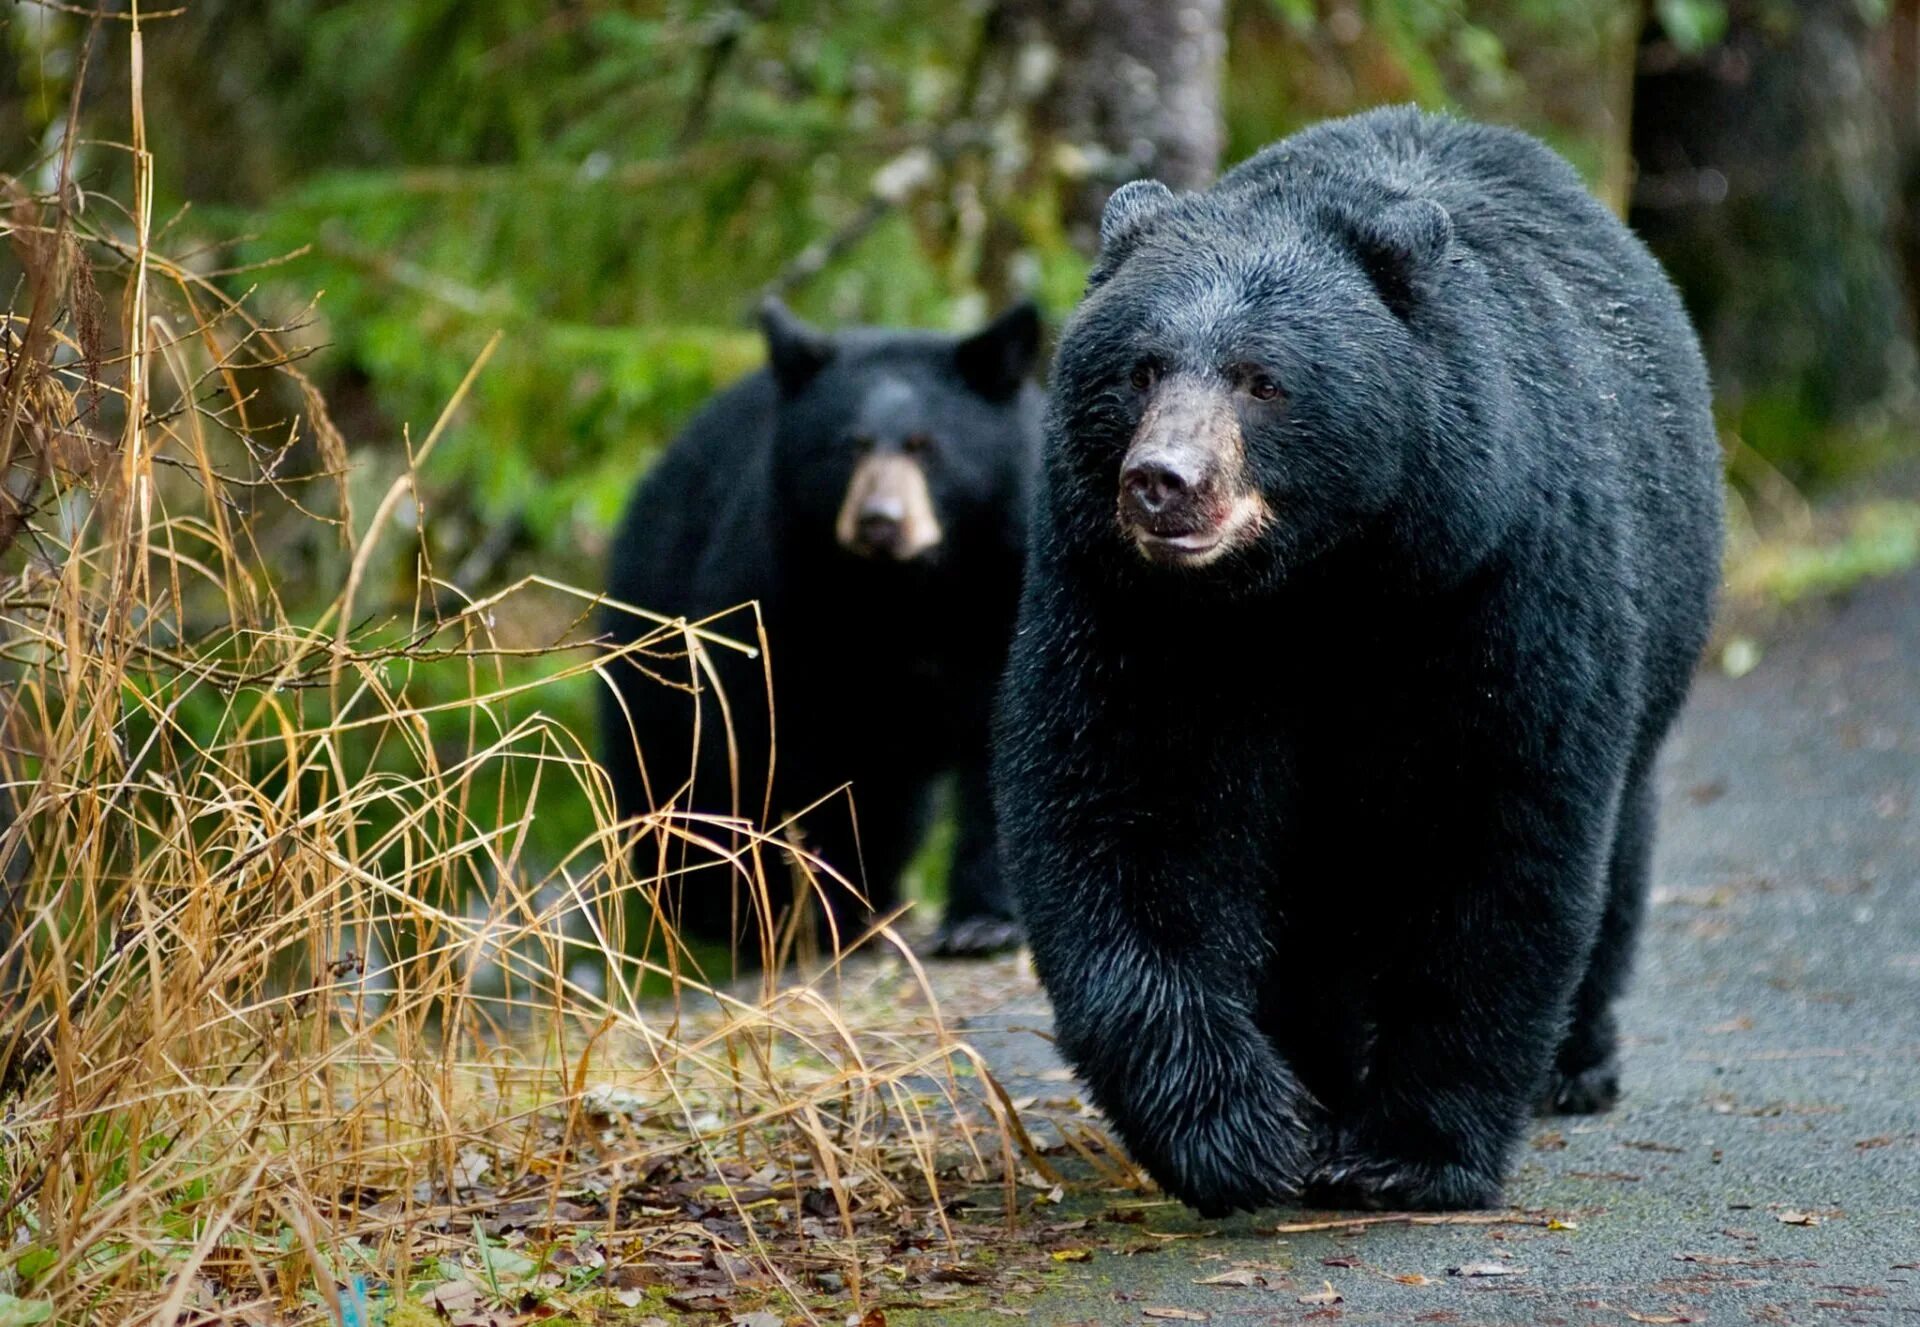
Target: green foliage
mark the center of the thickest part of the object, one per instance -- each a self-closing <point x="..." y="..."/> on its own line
<point x="1553" y="67"/>
<point x="1881" y="539"/>
<point x="1692" y="25"/>
<point x="612" y="185"/>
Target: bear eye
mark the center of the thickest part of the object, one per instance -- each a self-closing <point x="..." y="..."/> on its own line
<point x="1142" y="376"/>
<point x="916" y="443"/>
<point x="862" y="443"/>
<point x="1263" y="388"/>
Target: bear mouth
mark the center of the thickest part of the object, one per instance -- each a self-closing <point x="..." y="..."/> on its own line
<point x="1181" y="545"/>
<point x="1183" y="549"/>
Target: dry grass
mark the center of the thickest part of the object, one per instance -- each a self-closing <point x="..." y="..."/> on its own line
<point x="282" y="1001"/>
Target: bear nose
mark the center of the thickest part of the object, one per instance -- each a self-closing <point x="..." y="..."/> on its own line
<point x="880" y="523"/>
<point x="1155" y="485"/>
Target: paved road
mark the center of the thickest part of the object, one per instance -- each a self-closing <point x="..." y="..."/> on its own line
<point x="1765" y="1165"/>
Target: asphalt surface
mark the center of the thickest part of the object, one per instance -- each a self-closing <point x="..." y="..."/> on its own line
<point x="1764" y="1166"/>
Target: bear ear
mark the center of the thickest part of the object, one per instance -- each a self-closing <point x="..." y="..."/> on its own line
<point x="1402" y="247"/>
<point x="999" y="357"/>
<point x="1129" y="208"/>
<point x="796" y="350"/>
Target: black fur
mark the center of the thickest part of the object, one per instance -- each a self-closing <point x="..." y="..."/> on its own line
<point x="1331" y="853"/>
<point x="883" y="671"/>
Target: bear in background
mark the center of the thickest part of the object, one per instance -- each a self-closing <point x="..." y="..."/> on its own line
<point x="869" y="489"/>
<point x="1377" y="539"/>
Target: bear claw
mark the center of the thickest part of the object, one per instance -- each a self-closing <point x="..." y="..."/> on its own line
<point x="1588" y="1091"/>
<point x="976" y="937"/>
<point x="1400" y="1186"/>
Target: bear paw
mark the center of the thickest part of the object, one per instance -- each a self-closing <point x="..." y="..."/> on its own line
<point x="1242" y="1160"/>
<point x="978" y="936"/>
<point x="1396" y="1185"/>
<point x="1586" y="1091"/>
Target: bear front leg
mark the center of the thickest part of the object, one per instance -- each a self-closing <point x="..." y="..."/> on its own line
<point x="1141" y="863"/>
<point x="1153" y="958"/>
<point x="1198" y="1094"/>
<point x="1470" y="1014"/>
<point x="979" y="918"/>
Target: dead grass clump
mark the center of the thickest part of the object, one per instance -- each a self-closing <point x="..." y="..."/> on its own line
<point x="288" y="1018"/>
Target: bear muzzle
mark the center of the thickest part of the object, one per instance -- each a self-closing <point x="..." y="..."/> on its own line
<point x="1184" y="497"/>
<point x="888" y="510"/>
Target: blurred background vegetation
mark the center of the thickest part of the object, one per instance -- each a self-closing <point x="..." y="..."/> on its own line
<point x="260" y="815"/>
<point x="614" y="182"/>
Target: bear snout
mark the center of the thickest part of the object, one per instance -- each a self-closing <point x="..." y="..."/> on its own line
<point x="888" y="511"/>
<point x="1183" y="513"/>
<point x="1156" y="485"/>
<point x="1169" y="495"/>
<point x="879" y="528"/>
<point x="1185" y="498"/>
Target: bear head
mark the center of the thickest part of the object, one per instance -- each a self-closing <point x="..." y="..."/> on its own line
<point x="885" y="441"/>
<point x="1260" y="376"/>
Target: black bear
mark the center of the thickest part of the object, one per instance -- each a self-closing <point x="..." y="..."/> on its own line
<point x="869" y="489"/>
<point x="1375" y="543"/>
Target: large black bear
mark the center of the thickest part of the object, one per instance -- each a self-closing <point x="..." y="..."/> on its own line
<point x="1376" y="542"/>
<point x="869" y="489"/>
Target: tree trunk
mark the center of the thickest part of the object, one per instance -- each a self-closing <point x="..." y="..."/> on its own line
<point x="1903" y="103"/>
<point x="1129" y="88"/>
<point x="1769" y="185"/>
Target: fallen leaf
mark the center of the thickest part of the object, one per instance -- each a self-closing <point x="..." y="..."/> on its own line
<point x="1414" y="1279"/>
<point x="959" y="1276"/>
<point x="758" y="1318"/>
<point x="1339" y="1262"/>
<point x="24" y="1312"/>
<point x="1239" y="1276"/>
<point x="697" y="1301"/>
<point x="1177" y="1315"/>
<point x="1486" y="1269"/>
<point x="1326" y="1295"/>
<point x="1793" y="1218"/>
<point x="471" y="1167"/>
<point x="1555" y="1223"/>
<point x="613" y="1103"/>
<point x="873" y="1318"/>
<point x="501" y="1265"/>
<point x="452" y="1297"/>
<point x="1658" y="1317"/>
<point x="1072" y="1255"/>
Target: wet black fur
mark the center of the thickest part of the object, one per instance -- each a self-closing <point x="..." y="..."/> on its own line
<point x="1332" y="854"/>
<point x="883" y="672"/>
